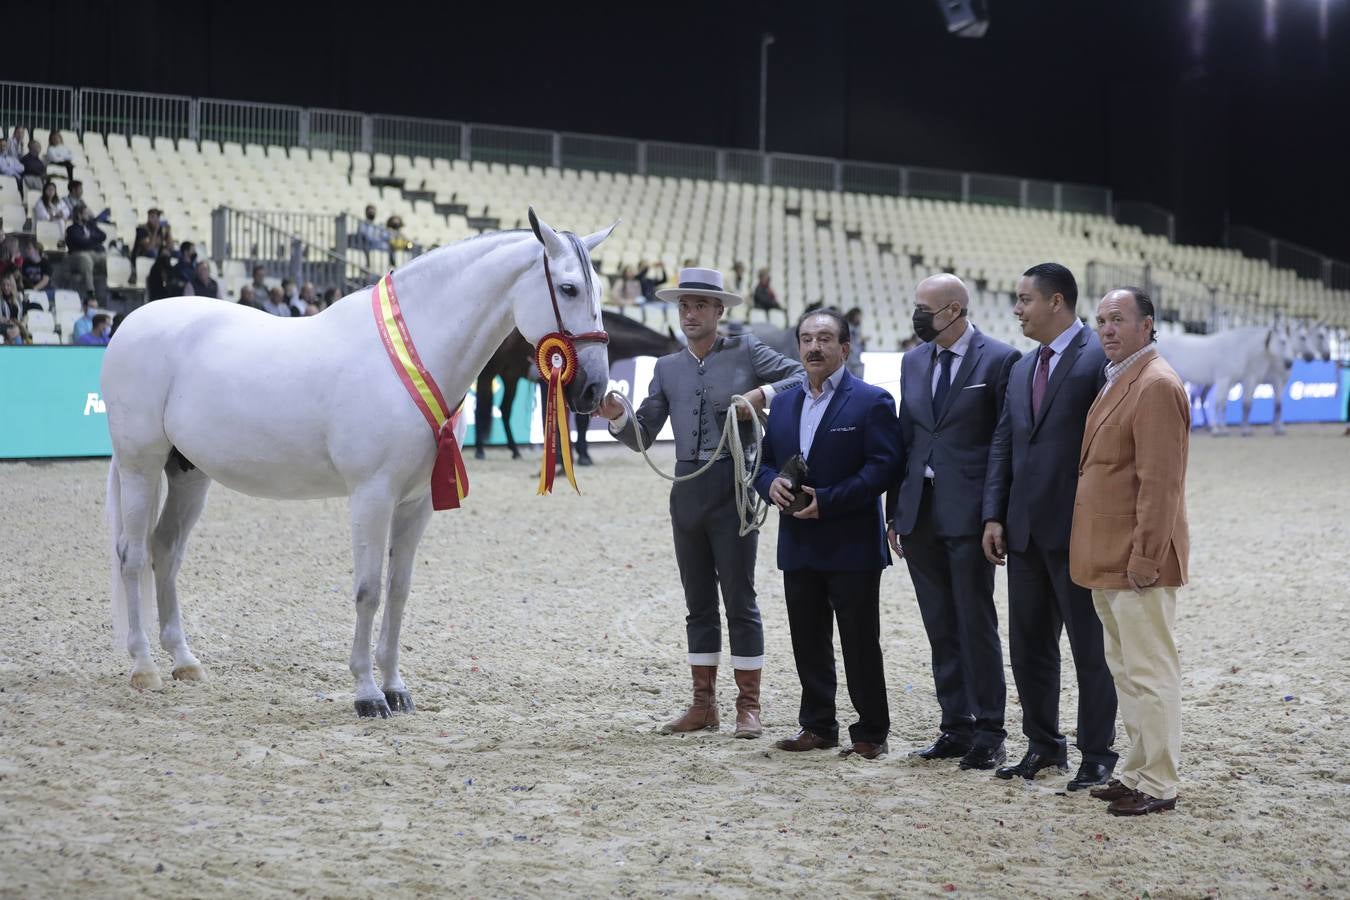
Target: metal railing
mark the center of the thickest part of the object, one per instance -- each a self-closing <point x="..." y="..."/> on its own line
<point x="304" y="246"/>
<point x="198" y="119"/>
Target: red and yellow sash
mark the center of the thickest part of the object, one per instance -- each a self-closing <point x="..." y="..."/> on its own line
<point x="449" y="480"/>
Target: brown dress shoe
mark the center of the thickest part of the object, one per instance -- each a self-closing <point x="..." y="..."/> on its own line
<point x="747" y="703"/>
<point x="702" y="713"/>
<point x="1139" y="804"/>
<point x="1112" y="790"/>
<point x="866" y="750"/>
<point x="805" y="740"/>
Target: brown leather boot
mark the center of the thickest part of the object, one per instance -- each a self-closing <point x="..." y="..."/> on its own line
<point x="747" y="704"/>
<point x="702" y="713"/>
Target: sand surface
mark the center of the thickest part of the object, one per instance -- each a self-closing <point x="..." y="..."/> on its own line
<point x="544" y="643"/>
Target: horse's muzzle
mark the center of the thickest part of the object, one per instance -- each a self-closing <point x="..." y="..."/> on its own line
<point x="588" y="388"/>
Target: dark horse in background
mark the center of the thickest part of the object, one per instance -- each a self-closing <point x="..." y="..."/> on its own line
<point x="514" y="360"/>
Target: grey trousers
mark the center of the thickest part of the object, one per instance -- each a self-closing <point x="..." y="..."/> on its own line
<point x="710" y="552"/>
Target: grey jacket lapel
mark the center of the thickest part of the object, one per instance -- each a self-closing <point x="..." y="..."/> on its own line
<point x="968" y="364"/>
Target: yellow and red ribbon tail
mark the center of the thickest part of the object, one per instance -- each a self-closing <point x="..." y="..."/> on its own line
<point x="449" y="479"/>
<point x="549" y="463"/>
<point x="564" y="435"/>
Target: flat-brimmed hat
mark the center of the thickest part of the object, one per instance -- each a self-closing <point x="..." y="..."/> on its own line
<point x="701" y="283"/>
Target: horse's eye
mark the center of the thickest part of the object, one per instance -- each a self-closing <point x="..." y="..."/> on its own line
<point x="568" y="289"/>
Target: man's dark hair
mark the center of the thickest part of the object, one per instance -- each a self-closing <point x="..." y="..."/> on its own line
<point x="100" y="319"/>
<point x="1144" y="303"/>
<point x="1052" y="278"/>
<point x="829" y="312"/>
<point x="75" y="183"/>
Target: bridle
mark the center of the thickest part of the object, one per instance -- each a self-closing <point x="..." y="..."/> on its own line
<point x="593" y="337"/>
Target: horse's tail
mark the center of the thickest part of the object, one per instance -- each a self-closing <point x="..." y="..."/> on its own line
<point x="149" y="606"/>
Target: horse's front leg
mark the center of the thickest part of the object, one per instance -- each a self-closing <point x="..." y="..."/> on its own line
<point x="372" y="509"/>
<point x="1248" y="397"/>
<point x="583" y="423"/>
<point x="1220" y="390"/>
<point x="410" y="520"/>
<point x="1277" y="422"/>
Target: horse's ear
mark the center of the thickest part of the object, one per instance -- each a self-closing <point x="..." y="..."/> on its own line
<point x="547" y="236"/>
<point x="594" y="240"/>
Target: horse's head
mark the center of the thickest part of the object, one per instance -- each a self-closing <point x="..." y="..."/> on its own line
<point x="1319" y="342"/>
<point x="573" y="308"/>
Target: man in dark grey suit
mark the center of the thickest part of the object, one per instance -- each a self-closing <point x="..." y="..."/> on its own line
<point x="952" y="389"/>
<point x="693" y="388"/>
<point x="1028" y="507"/>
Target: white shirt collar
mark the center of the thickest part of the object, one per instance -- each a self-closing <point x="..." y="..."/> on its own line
<point x="1115" y="370"/>
<point x="962" y="345"/>
<point x="1066" y="337"/>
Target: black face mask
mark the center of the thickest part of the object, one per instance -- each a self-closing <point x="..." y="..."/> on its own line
<point x="923" y="325"/>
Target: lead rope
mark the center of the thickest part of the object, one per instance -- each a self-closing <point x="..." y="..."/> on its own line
<point x="751" y="510"/>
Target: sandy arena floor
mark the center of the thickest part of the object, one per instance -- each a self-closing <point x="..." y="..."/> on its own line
<point x="542" y="659"/>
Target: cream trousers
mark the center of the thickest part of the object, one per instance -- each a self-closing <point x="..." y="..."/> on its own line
<point x="1143" y="660"/>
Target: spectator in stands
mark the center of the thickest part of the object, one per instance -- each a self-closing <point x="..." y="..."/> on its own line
<point x="97" y="335"/>
<point x="164" y="279"/>
<point x="85" y="323"/>
<point x="34" y="169"/>
<point x="764" y="297"/>
<point x="739" y="284"/>
<point x="75" y="201"/>
<point x="292" y="295"/>
<point x="11" y="301"/>
<point x="201" y="284"/>
<point x="151" y="235"/>
<point x="248" y="297"/>
<point x="14" y="336"/>
<point x="627" y="290"/>
<point x="88" y="260"/>
<point x="330" y="297"/>
<point x="58" y="154"/>
<point x="17" y="142"/>
<point x="855" y="330"/>
<point x="309" y="294"/>
<point x="35" y="271"/>
<point x="312" y="308"/>
<point x="259" y="283"/>
<point x="276" y="304"/>
<point x="9" y="163"/>
<point x="50" y="207"/>
<point x="11" y="259"/>
<point x="649" y="283"/>
<point x="187" y="261"/>
<point x="397" y="240"/>
<point x="370" y="235"/>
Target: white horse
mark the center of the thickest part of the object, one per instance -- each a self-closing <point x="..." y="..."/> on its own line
<point x="1249" y="356"/>
<point x="204" y="391"/>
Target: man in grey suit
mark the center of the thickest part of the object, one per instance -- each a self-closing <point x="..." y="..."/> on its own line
<point x="952" y="389"/>
<point x="693" y="388"/>
<point x="1028" y="507"/>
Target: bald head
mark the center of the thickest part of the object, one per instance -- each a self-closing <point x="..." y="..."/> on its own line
<point x="940" y="303"/>
<point x="938" y="291"/>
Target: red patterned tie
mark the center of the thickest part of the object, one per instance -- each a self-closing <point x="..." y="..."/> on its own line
<point x="1039" y="381"/>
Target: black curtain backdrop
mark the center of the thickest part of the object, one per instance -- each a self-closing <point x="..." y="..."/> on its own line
<point x="1195" y="105"/>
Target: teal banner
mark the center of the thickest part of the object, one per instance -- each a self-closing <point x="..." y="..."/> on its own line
<point x="50" y="403"/>
<point x="521" y="413"/>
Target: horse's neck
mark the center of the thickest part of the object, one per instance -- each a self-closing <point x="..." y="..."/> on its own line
<point x="458" y="311"/>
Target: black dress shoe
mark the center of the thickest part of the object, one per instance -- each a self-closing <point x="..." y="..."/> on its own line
<point x="1033" y="762"/>
<point x="984" y="757"/>
<point x="947" y="746"/>
<point x="1090" y="775"/>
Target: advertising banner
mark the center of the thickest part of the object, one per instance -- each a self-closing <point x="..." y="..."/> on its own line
<point x="50" y="404"/>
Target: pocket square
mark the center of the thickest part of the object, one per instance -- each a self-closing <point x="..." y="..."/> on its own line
<point x="844" y="428"/>
<point x="971" y="387"/>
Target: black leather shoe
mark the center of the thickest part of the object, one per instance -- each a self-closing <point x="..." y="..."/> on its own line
<point x="1090" y="775"/>
<point x="984" y="757"/>
<point x="947" y="746"/>
<point x="1033" y="762"/>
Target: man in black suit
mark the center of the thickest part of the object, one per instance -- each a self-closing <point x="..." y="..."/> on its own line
<point x="952" y="389"/>
<point x="1028" y="506"/>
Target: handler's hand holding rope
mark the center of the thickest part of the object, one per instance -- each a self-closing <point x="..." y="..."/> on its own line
<point x="749" y="507"/>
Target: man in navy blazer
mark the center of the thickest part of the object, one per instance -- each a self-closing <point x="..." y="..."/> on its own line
<point x="952" y="388"/>
<point x="1028" y="507"/>
<point x="833" y="550"/>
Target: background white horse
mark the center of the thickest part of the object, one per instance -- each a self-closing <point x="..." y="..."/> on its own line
<point x="204" y="391"/>
<point x="1248" y="356"/>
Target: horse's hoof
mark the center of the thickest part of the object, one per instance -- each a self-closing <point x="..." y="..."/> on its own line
<point x="370" y="709"/>
<point x="479" y="454"/>
<point x="190" y="672"/>
<point x="584" y="461"/>
<point x="515" y="454"/>
<point x="399" y="701"/>
<point x="146" y="681"/>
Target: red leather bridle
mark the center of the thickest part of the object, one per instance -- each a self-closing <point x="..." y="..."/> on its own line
<point x="588" y="337"/>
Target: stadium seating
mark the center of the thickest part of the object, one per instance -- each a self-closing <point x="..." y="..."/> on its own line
<point x="847" y="249"/>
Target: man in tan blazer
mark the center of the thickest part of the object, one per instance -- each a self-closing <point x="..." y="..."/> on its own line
<point x="1129" y="544"/>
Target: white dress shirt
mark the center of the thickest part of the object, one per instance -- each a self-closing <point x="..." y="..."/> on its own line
<point x="813" y="408"/>
<point x="1060" y="344"/>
